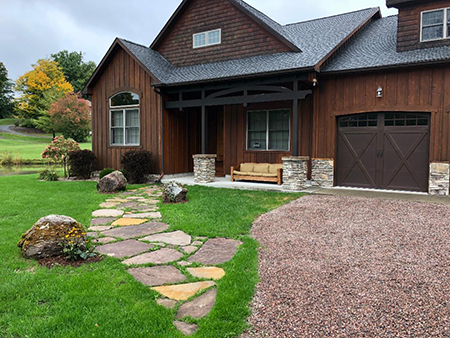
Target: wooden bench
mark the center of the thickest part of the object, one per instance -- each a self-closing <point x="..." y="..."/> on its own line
<point x="264" y="172"/>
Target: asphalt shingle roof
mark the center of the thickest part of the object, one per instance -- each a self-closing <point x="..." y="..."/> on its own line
<point x="376" y="46"/>
<point x="316" y="38"/>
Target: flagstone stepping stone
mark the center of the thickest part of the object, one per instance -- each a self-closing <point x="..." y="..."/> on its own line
<point x="127" y="205"/>
<point x="183" y="291"/>
<point x="157" y="275"/>
<point x="197" y="243"/>
<point x="92" y="234"/>
<point x="167" y="303"/>
<point x="102" y="220"/>
<point x="129" y="221"/>
<point x="161" y="256"/>
<point x="144" y="215"/>
<point x="188" y="249"/>
<point x="207" y="272"/>
<point x="104" y="240"/>
<point x="175" y="238"/>
<point x="134" y="231"/>
<point x="134" y="198"/>
<point x="144" y="208"/>
<point x="185" y="328"/>
<point x="116" y="200"/>
<point x="184" y="263"/>
<point x="108" y="204"/>
<point x="107" y="213"/>
<point x="100" y="227"/>
<point x="216" y="251"/>
<point x="199" y="307"/>
<point x="123" y="249"/>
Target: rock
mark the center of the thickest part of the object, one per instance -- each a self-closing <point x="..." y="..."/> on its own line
<point x="199" y="307"/>
<point x="123" y="249"/>
<point x="216" y="251"/>
<point x="174" y="193"/>
<point x="135" y="231"/>
<point x="175" y="238"/>
<point x="207" y="272"/>
<point x="185" y="328"/>
<point x="102" y="221"/>
<point x="100" y="227"/>
<point x="188" y="249"/>
<point x="144" y="215"/>
<point x="157" y="275"/>
<point x="112" y="183"/>
<point x="103" y="240"/>
<point x="161" y="256"/>
<point x="92" y="234"/>
<point x="167" y="303"/>
<point x="103" y="213"/>
<point x="107" y="205"/>
<point x="183" y="291"/>
<point x="45" y="237"/>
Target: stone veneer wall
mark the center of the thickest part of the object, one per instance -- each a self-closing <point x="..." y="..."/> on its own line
<point x="439" y="179"/>
<point x="204" y="168"/>
<point x="295" y="170"/>
<point x="322" y="172"/>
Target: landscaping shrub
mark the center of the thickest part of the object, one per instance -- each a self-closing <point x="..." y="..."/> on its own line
<point x="59" y="149"/>
<point x="48" y="175"/>
<point x="6" y="159"/>
<point x="136" y="164"/>
<point x="82" y="163"/>
<point x="106" y="171"/>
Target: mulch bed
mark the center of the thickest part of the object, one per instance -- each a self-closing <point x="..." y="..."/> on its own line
<point x="353" y="267"/>
<point x="27" y="130"/>
<point x="51" y="262"/>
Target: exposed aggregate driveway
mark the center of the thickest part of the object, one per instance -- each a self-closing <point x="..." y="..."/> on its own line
<point x="353" y="267"/>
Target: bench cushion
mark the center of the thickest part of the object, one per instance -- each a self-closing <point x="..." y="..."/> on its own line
<point x="273" y="168"/>
<point x="253" y="174"/>
<point x="262" y="168"/>
<point x="247" y="167"/>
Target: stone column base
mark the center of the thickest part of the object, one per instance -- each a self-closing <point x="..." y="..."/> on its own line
<point x="322" y="172"/>
<point x="439" y="182"/>
<point x="204" y="168"/>
<point x="295" y="171"/>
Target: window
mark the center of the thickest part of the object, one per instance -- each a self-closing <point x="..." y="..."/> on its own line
<point x="124" y="117"/>
<point x="268" y="130"/>
<point x="209" y="38"/>
<point x="366" y="120"/>
<point x="435" y="25"/>
<point x="405" y="120"/>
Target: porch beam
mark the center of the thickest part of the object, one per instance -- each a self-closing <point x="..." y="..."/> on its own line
<point x="295" y="120"/>
<point x="258" y="98"/>
<point x="203" y="125"/>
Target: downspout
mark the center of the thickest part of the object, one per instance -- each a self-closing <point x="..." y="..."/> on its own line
<point x="157" y="91"/>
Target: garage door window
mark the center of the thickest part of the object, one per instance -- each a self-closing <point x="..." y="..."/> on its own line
<point x="405" y="120"/>
<point x="366" y="120"/>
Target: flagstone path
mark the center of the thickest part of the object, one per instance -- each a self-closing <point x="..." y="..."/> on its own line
<point x="129" y="228"/>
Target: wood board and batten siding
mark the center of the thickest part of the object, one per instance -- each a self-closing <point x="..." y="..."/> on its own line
<point x="407" y="90"/>
<point x="123" y="73"/>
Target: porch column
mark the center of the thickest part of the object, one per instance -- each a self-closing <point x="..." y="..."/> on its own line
<point x="439" y="178"/>
<point x="204" y="168"/>
<point x="295" y="122"/>
<point x="295" y="171"/>
<point x="203" y="124"/>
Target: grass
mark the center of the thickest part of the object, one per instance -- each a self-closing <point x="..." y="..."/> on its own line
<point x="6" y="122"/>
<point x="102" y="299"/>
<point x="28" y="147"/>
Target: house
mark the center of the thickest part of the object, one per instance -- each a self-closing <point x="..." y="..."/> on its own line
<point x="353" y="100"/>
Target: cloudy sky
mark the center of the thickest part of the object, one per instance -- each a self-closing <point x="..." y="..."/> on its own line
<point x="34" y="29"/>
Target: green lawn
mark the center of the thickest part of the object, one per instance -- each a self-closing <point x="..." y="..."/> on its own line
<point x="6" y="122"/>
<point x="27" y="147"/>
<point x="102" y="299"/>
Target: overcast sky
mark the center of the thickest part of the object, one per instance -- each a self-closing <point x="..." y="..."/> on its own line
<point x="34" y="29"/>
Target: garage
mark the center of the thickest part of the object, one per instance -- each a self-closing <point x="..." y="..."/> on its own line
<point x="384" y="151"/>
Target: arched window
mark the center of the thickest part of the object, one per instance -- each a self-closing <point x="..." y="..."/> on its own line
<point x="124" y="117"/>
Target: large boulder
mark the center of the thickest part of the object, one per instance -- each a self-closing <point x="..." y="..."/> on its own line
<point x="174" y="193"/>
<point x="48" y="235"/>
<point x="112" y="183"/>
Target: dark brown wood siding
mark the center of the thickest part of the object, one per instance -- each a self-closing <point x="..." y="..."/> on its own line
<point x="409" y="25"/>
<point x="406" y="90"/>
<point x="123" y="73"/>
<point x="241" y="36"/>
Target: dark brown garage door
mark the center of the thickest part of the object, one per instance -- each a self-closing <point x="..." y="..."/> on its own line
<point x="384" y="150"/>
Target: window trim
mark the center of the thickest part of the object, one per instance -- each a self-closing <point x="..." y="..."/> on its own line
<point x="267" y="111"/>
<point x="207" y="44"/>
<point x="445" y="24"/>
<point x="124" y="110"/>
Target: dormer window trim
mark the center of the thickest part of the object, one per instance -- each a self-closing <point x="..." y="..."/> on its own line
<point x="206" y="39"/>
<point x="445" y="24"/>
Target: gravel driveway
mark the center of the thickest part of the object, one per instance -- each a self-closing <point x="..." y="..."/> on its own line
<point x="353" y="267"/>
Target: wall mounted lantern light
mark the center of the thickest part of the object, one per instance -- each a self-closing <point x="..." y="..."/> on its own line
<point x="380" y="92"/>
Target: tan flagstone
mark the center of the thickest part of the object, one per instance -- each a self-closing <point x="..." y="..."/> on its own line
<point x="143" y="215"/>
<point x="128" y="221"/>
<point x="109" y="204"/>
<point x="183" y="291"/>
<point x="207" y="272"/>
<point x="107" y="213"/>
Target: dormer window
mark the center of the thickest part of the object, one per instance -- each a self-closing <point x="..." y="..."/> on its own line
<point x="435" y="24"/>
<point x="209" y="38"/>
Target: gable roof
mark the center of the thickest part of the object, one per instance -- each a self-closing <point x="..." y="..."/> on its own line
<point x="376" y="47"/>
<point x="270" y="25"/>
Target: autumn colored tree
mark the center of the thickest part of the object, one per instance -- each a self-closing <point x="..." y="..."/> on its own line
<point x="76" y="71"/>
<point x="39" y="88"/>
<point x="71" y="116"/>
<point x="6" y="106"/>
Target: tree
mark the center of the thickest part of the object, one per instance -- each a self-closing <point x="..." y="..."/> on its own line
<point x="75" y="70"/>
<point x="71" y="116"/>
<point x="59" y="149"/>
<point x="39" y="88"/>
<point x="6" y="93"/>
